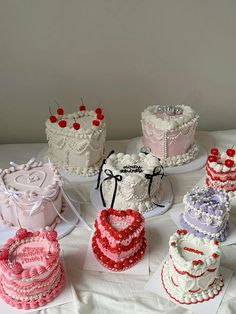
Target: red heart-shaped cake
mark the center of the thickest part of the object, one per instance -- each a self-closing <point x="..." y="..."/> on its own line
<point x="118" y="241"/>
<point x="221" y="169"/>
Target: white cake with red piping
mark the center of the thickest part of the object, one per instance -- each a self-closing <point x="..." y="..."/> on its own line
<point x="221" y="169"/>
<point x="119" y="240"/>
<point x="77" y="141"/>
<point x="31" y="195"/>
<point x="191" y="272"/>
<point x="30" y="269"/>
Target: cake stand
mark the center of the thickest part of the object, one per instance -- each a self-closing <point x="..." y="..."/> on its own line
<point x="166" y="200"/>
<point x="134" y="145"/>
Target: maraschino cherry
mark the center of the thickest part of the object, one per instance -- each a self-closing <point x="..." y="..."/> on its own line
<point x="60" y="111"/>
<point x="62" y="123"/>
<point x="82" y="107"/>
<point x="76" y="125"/>
<point x="100" y="116"/>
<point x="212" y="158"/>
<point x="230" y="152"/>
<point x="96" y="122"/>
<point x="229" y="163"/>
<point x="98" y="110"/>
<point x="214" y="151"/>
<point x="52" y="117"/>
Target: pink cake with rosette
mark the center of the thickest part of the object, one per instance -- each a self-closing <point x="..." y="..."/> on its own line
<point x="191" y="273"/>
<point x="221" y="169"/>
<point x="30" y="269"/>
<point x="169" y="131"/>
<point x="30" y="195"/>
<point x="119" y="240"/>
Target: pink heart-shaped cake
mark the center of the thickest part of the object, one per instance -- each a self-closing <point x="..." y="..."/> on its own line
<point x="118" y="241"/>
<point x="221" y="169"/>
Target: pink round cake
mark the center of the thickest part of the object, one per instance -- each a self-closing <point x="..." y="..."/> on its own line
<point x="119" y="240"/>
<point x="169" y="131"/>
<point x="30" y="195"/>
<point x="30" y="269"/>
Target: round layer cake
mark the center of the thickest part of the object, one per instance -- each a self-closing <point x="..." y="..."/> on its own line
<point x="206" y="213"/>
<point x="131" y="181"/>
<point x="30" y="195"/>
<point x="191" y="273"/>
<point x="169" y="131"/>
<point x="119" y="240"/>
<point x="76" y="141"/>
<point x="30" y="269"/>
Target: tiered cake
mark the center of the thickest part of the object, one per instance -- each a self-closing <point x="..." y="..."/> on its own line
<point x="30" y="195"/>
<point x="206" y="213"/>
<point x="30" y="269"/>
<point x="119" y="239"/>
<point x="221" y="169"/>
<point x="76" y="141"/>
<point x="168" y="132"/>
<point x="131" y="181"/>
<point x="191" y="273"/>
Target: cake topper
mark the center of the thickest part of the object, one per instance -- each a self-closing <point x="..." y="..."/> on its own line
<point x="169" y="109"/>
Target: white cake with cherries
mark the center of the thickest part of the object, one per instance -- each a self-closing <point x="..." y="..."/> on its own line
<point x="131" y="181"/>
<point x="191" y="273"/>
<point x="169" y="131"/>
<point x="30" y="195"/>
<point x="76" y="141"/>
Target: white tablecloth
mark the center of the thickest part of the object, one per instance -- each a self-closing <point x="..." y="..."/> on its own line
<point x="116" y="293"/>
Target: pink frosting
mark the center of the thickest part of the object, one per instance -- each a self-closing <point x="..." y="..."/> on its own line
<point x="154" y="139"/>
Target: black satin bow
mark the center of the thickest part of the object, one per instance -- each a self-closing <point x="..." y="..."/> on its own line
<point x="100" y="170"/>
<point x="157" y="171"/>
<point x="110" y="176"/>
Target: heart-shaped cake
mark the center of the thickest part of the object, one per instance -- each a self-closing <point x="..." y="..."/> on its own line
<point x="206" y="213"/>
<point x="169" y="131"/>
<point x="190" y="275"/>
<point x="119" y="240"/>
<point x="31" y="274"/>
<point x="30" y="195"/>
<point x="221" y="169"/>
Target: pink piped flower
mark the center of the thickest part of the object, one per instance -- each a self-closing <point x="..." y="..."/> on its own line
<point x="17" y="268"/>
<point x="51" y="235"/>
<point x="3" y="255"/>
<point x="21" y="234"/>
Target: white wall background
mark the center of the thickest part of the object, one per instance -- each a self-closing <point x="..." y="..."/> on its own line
<point x="126" y="54"/>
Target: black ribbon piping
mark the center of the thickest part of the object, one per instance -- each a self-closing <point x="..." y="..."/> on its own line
<point x="100" y="170"/>
<point x="110" y="176"/>
<point x="159" y="172"/>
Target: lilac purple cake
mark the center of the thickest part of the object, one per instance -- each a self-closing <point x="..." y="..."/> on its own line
<point x="206" y="213"/>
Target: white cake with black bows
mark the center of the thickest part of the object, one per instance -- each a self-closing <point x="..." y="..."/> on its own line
<point x="131" y="181"/>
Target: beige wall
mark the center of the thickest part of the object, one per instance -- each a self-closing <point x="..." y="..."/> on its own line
<point x="125" y="53"/>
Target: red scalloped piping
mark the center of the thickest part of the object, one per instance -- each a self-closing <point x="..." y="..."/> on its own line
<point x="121" y="265"/>
<point x="190" y="249"/>
<point x="172" y="297"/>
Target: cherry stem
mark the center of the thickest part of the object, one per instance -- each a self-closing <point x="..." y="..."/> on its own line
<point x="82" y="101"/>
<point x="50" y="111"/>
<point x="56" y="103"/>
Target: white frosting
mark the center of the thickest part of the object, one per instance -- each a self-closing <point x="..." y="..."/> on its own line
<point x="166" y="123"/>
<point x="132" y="190"/>
<point x="179" y="160"/>
<point x="78" y="151"/>
<point x="185" y="281"/>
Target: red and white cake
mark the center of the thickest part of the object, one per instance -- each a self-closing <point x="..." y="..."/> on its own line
<point x="30" y="269"/>
<point x="191" y="273"/>
<point x="119" y="240"/>
<point x="221" y="169"/>
<point x="30" y="195"/>
<point x="77" y="141"/>
<point x="169" y="131"/>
